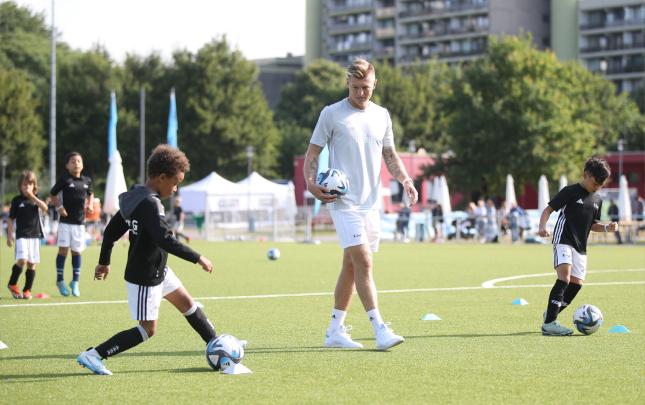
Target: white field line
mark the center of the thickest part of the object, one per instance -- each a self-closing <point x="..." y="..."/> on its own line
<point x="491" y="283"/>
<point x="486" y="285"/>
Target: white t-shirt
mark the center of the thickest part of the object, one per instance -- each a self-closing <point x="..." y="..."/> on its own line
<point x="356" y="139"/>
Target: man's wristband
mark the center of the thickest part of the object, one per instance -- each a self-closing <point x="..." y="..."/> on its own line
<point x="605" y="227"/>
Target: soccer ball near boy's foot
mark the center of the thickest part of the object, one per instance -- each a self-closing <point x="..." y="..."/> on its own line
<point x="587" y="319"/>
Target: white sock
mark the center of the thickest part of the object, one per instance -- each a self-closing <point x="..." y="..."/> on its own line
<point x="375" y="317"/>
<point x="337" y="318"/>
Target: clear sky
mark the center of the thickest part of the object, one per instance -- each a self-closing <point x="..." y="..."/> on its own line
<point x="258" y="28"/>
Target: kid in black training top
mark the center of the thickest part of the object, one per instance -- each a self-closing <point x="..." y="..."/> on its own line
<point x="579" y="207"/>
<point x="148" y="279"/>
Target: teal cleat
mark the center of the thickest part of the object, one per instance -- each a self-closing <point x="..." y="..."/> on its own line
<point x="62" y="288"/>
<point x="91" y="361"/>
<point x="76" y="292"/>
<point x="555" y="329"/>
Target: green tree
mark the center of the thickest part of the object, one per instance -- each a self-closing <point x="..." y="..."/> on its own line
<point x="301" y="101"/>
<point x="221" y="110"/>
<point x="151" y="74"/>
<point x="414" y="99"/>
<point x="520" y="111"/>
<point x="20" y="127"/>
<point x="84" y="84"/>
<point x="320" y="84"/>
<point x="293" y="142"/>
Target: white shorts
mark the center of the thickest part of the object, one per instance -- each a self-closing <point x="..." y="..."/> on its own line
<point x="28" y="249"/>
<point x="357" y="228"/>
<point x="71" y="236"/>
<point x="567" y="254"/>
<point x="144" y="301"/>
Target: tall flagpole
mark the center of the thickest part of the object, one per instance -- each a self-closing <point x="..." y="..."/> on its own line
<point x="142" y="135"/>
<point x="52" y="106"/>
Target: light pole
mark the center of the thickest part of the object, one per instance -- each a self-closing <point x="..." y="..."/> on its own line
<point x="52" y="105"/>
<point x="249" y="159"/>
<point x="4" y="161"/>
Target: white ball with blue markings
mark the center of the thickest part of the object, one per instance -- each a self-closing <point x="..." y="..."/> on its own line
<point x="587" y="319"/>
<point x="273" y="254"/>
<point x="335" y="181"/>
<point x="224" y="351"/>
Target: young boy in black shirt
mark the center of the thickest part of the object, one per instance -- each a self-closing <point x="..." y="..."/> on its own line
<point x="579" y="207"/>
<point x="71" y="194"/>
<point x="147" y="277"/>
<point x="25" y="211"/>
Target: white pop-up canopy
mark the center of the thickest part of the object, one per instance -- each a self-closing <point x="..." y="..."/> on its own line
<point x="209" y="190"/>
<point x="254" y="204"/>
<point x="265" y="193"/>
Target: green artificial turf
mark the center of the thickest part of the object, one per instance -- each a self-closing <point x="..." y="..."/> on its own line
<point x="483" y="350"/>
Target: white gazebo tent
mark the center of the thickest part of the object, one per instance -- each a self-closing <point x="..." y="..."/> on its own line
<point x="273" y="204"/>
<point x="230" y="210"/>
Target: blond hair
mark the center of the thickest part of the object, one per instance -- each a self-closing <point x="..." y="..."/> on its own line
<point x="30" y="178"/>
<point x="360" y="69"/>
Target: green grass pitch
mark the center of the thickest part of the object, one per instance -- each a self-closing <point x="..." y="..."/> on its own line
<point x="483" y="350"/>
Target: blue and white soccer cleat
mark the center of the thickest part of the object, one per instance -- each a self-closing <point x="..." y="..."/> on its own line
<point x="62" y="288"/>
<point x="76" y="292"/>
<point x="92" y="362"/>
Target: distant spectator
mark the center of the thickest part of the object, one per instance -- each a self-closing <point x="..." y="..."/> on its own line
<point x="437" y="220"/>
<point x="491" y="233"/>
<point x="639" y="214"/>
<point x="403" y="223"/>
<point x="480" y="215"/>
<point x="514" y="222"/>
<point x="179" y="218"/>
<point x="614" y="216"/>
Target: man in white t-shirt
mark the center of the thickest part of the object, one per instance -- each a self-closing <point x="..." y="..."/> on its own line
<point x="357" y="132"/>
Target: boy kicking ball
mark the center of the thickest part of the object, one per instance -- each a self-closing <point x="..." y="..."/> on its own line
<point x="580" y="207"/>
<point x="147" y="277"/>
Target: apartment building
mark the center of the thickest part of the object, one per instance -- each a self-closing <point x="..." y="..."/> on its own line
<point x="407" y="31"/>
<point x="611" y="40"/>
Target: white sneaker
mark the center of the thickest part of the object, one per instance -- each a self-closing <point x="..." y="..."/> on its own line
<point x="340" y="338"/>
<point x="386" y="338"/>
<point x="93" y="363"/>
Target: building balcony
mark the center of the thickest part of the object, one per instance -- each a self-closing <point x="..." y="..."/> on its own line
<point x="385" y="12"/>
<point x="612" y="47"/>
<point x="385" y="33"/>
<point x="362" y="7"/>
<point x="336" y="29"/>
<point x="444" y="54"/>
<point x="443" y="34"/>
<point x="354" y="47"/>
<point x="596" y="25"/>
<point x="385" y="52"/>
<point x="464" y="8"/>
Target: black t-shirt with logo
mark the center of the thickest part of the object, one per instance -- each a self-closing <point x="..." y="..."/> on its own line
<point x="579" y="209"/>
<point x="27" y="217"/>
<point x="75" y="191"/>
